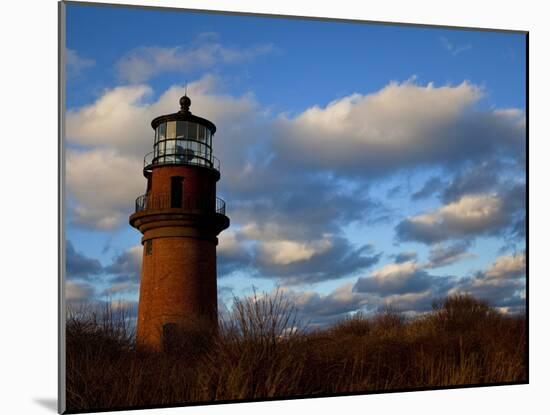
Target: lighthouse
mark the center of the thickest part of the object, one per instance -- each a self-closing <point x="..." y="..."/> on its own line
<point x="180" y="217"/>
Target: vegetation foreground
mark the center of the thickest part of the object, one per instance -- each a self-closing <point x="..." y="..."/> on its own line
<point x="261" y="352"/>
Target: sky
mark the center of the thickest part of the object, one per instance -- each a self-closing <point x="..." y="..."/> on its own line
<point x="363" y="165"/>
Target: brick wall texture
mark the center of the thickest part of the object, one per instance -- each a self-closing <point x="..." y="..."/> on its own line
<point x="178" y="276"/>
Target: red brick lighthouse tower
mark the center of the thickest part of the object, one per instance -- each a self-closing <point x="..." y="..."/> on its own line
<point x="180" y="218"/>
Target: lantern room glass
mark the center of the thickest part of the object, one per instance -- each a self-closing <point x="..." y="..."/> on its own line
<point x="182" y="142"/>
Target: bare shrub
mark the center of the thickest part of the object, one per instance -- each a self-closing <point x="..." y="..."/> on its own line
<point x="263" y="351"/>
<point x="256" y="352"/>
<point x="461" y="311"/>
<point x="356" y="325"/>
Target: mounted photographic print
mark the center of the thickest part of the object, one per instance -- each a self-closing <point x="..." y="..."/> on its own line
<point x="262" y="207"/>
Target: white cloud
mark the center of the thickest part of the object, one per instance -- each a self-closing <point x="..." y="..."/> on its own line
<point x="228" y="244"/>
<point x="75" y="63"/>
<point x="119" y="119"/>
<point x="502" y="283"/>
<point x="78" y="291"/>
<point x="472" y="209"/>
<point x="469" y="215"/>
<point x="121" y="288"/>
<point x="442" y="255"/>
<point x="264" y="231"/>
<point x="397" y="279"/>
<point x="454" y="49"/>
<point x="284" y="252"/>
<point x="470" y="212"/>
<point x="398" y="270"/>
<point x="143" y="63"/>
<point x="510" y="266"/>
<point x="270" y="250"/>
<point x="103" y="185"/>
<point x="402" y="125"/>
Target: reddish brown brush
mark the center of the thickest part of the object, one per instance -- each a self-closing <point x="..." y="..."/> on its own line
<point x="262" y="351"/>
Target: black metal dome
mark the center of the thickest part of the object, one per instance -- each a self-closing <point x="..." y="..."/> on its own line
<point x="184" y="115"/>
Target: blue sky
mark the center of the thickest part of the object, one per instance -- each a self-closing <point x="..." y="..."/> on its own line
<point x="363" y="165"/>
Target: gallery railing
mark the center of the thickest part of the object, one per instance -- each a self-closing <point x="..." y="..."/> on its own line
<point x="153" y="201"/>
<point x="186" y="158"/>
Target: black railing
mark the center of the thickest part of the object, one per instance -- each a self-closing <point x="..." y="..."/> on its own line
<point x="153" y="201"/>
<point x="194" y="159"/>
<point x="220" y="206"/>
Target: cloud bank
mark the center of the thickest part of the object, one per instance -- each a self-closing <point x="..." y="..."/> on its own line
<point x="294" y="182"/>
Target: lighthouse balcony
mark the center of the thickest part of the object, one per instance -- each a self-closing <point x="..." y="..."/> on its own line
<point x="183" y="157"/>
<point x="155" y="201"/>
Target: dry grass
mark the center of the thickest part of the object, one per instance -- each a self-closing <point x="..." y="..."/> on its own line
<point x="262" y="351"/>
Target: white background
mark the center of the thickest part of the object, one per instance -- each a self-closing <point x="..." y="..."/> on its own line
<point x="28" y="203"/>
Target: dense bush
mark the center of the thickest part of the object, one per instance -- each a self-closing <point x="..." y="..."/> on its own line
<point x="262" y="351"/>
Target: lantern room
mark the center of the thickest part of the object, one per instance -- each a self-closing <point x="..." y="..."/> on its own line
<point x="182" y="138"/>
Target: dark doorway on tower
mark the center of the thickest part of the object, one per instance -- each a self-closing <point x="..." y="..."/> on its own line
<point x="169" y="337"/>
<point x="176" y="191"/>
